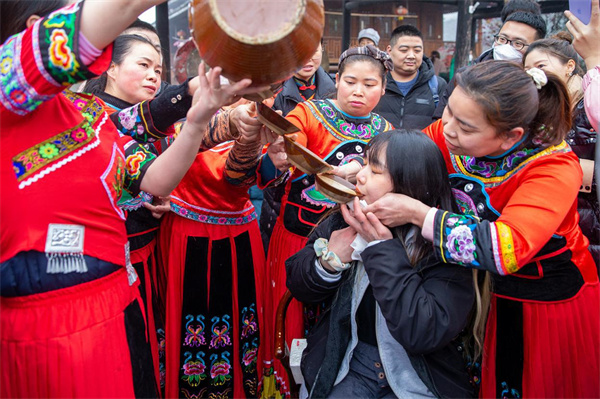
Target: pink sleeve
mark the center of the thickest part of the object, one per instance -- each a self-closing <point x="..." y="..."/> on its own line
<point x="591" y="88"/>
<point x="87" y="52"/>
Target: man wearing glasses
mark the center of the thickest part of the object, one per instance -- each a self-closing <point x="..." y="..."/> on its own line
<point x="520" y="28"/>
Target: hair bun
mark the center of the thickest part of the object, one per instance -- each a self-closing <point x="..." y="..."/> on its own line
<point x="564" y="35"/>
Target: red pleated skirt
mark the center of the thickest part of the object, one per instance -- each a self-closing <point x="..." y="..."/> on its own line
<point x="68" y="343"/>
<point x="283" y="244"/>
<point x="177" y="238"/>
<point x="561" y="355"/>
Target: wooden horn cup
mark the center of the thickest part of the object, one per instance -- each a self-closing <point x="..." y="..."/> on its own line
<point x="264" y="40"/>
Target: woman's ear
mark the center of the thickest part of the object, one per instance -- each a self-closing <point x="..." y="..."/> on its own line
<point x="111" y="71"/>
<point x="32" y="20"/>
<point x="571" y="66"/>
<point x="337" y="79"/>
<point x="512" y="137"/>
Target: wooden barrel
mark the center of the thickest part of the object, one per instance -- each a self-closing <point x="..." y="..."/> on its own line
<point x="264" y="40"/>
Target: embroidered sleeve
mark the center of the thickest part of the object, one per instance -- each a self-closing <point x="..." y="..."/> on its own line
<point x="137" y="161"/>
<point x="42" y="61"/>
<point x="240" y="167"/>
<point x="218" y="130"/>
<point x="153" y="120"/>
<point x="468" y="241"/>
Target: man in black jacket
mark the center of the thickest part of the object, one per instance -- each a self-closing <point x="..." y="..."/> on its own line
<point x="412" y="88"/>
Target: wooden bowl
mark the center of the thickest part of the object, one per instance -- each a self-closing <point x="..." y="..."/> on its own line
<point x="335" y="188"/>
<point x="271" y="119"/>
<point x="264" y="40"/>
<point x="304" y="159"/>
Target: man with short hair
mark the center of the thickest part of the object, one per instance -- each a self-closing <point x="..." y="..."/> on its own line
<point x="412" y="87"/>
<point x="519" y="30"/>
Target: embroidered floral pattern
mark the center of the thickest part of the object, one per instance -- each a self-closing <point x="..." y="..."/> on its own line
<point x="160" y="335"/>
<point x="249" y="356"/>
<point x="460" y="244"/>
<point x="138" y="159"/>
<point x="465" y="204"/>
<point x="220" y="369"/>
<point x="134" y="162"/>
<point x="6" y="63"/>
<point x="220" y="332"/>
<point x="128" y="117"/>
<point x="58" y="147"/>
<point x="193" y="370"/>
<point x="59" y="32"/>
<point x="194" y="334"/>
<point x="199" y="217"/>
<point x="344" y="128"/>
<point x="61" y="55"/>
<point x="249" y="324"/>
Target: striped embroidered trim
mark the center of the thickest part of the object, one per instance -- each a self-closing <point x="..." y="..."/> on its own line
<point x="457" y="162"/>
<point x="199" y="208"/>
<point x="18" y="95"/>
<point x="136" y="202"/>
<point x="496" y="250"/>
<point x="188" y="214"/>
<point x="442" y="226"/>
<point x="68" y="159"/>
<point x="507" y="248"/>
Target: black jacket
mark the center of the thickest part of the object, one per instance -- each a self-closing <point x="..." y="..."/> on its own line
<point x="416" y="109"/>
<point x="485" y="56"/>
<point x="289" y="96"/>
<point x="425" y="307"/>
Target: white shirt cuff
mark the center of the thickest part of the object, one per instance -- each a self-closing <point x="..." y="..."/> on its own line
<point x="427" y="230"/>
<point x="325" y="275"/>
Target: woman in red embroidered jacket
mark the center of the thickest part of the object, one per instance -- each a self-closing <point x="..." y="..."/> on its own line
<point x="516" y="182"/>
<point x="71" y="316"/>
<point x="213" y="259"/>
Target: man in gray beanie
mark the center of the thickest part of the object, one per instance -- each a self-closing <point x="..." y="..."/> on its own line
<point x="368" y="36"/>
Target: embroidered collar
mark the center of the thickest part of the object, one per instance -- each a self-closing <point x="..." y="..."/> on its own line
<point x="494" y="170"/>
<point x="345" y="127"/>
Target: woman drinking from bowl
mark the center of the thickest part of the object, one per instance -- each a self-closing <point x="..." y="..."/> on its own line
<point x="337" y="131"/>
